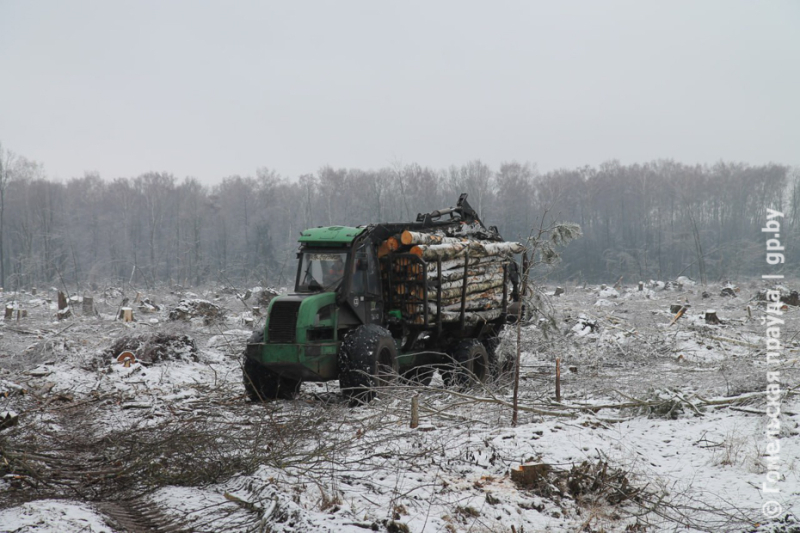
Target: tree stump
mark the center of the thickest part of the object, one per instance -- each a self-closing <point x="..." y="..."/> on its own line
<point x="712" y="318"/>
<point x="641" y="286"/>
<point x="559" y="291"/>
<point x="9" y="312"/>
<point x="126" y="314"/>
<point x="88" y="305"/>
<point x="33" y="291"/>
<point x="63" y="306"/>
<point x="62" y="301"/>
<point x="675" y="308"/>
<point x="530" y="475"/>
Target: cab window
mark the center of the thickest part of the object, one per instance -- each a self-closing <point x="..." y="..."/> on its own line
<point x="320" y="271"/>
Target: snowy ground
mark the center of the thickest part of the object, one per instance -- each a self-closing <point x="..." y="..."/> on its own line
<point x="676" y="411"/>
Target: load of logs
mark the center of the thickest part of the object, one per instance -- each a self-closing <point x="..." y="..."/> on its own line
<point x="438" y="277"/>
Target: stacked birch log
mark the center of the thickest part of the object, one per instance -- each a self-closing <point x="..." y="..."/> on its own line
<point x="472" y="276"/>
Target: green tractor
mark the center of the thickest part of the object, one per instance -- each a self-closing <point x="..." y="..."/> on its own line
<point x="365" y="313"/>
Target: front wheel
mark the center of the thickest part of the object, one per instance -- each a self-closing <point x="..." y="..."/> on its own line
<point x="367" y="359"/>
<point x="259" y="383"/>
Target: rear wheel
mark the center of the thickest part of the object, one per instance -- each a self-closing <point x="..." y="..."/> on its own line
<point x="470" y="363"/>
<point x="367" y="359"/>
<point x="259" y="383"/>
<point x="491" y="344"/>
<point x="421" y="375"/>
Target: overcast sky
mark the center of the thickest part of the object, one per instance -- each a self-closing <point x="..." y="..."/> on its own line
<point x="211" y="89"/>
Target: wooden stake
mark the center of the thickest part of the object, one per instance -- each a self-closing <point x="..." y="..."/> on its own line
<point x="515" y="402"/>
<point x="558" y="379"/>
<point x="414" y="411"/>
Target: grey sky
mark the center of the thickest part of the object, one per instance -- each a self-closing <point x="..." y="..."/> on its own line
<point x="210" y="89"/>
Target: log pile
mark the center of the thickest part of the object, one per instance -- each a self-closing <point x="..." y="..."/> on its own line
<point x="432" y="277"/>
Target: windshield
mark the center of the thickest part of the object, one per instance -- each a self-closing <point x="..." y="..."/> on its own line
<point x="320" y="271"/>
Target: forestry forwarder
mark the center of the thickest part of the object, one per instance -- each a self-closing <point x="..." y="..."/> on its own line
<point x="362" y="311"/>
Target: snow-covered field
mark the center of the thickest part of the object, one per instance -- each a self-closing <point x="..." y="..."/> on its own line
<point x="660" y="427"/>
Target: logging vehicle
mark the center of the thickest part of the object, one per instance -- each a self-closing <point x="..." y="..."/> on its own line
<point x="376" y="303"/>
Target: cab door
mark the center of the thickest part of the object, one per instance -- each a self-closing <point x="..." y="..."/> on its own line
<point x="365" y="286"/>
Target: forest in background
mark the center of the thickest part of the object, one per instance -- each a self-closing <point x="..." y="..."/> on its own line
<point x="656" y="220"/>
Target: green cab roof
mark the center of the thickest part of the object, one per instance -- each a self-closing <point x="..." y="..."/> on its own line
<point x="330" y="235"/>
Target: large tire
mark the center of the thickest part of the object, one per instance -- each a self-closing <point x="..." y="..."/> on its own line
<point x="260" y="384"/>
<point x="470" y="363"/>
<point x="491" y="344"/>
<point x="367" y="359"/>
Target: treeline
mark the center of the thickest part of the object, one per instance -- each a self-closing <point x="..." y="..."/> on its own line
<point x="652" y="221"/>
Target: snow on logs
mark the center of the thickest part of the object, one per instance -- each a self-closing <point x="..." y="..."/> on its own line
<point x="469" y="248"/>
<point x="460" y="272"/>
